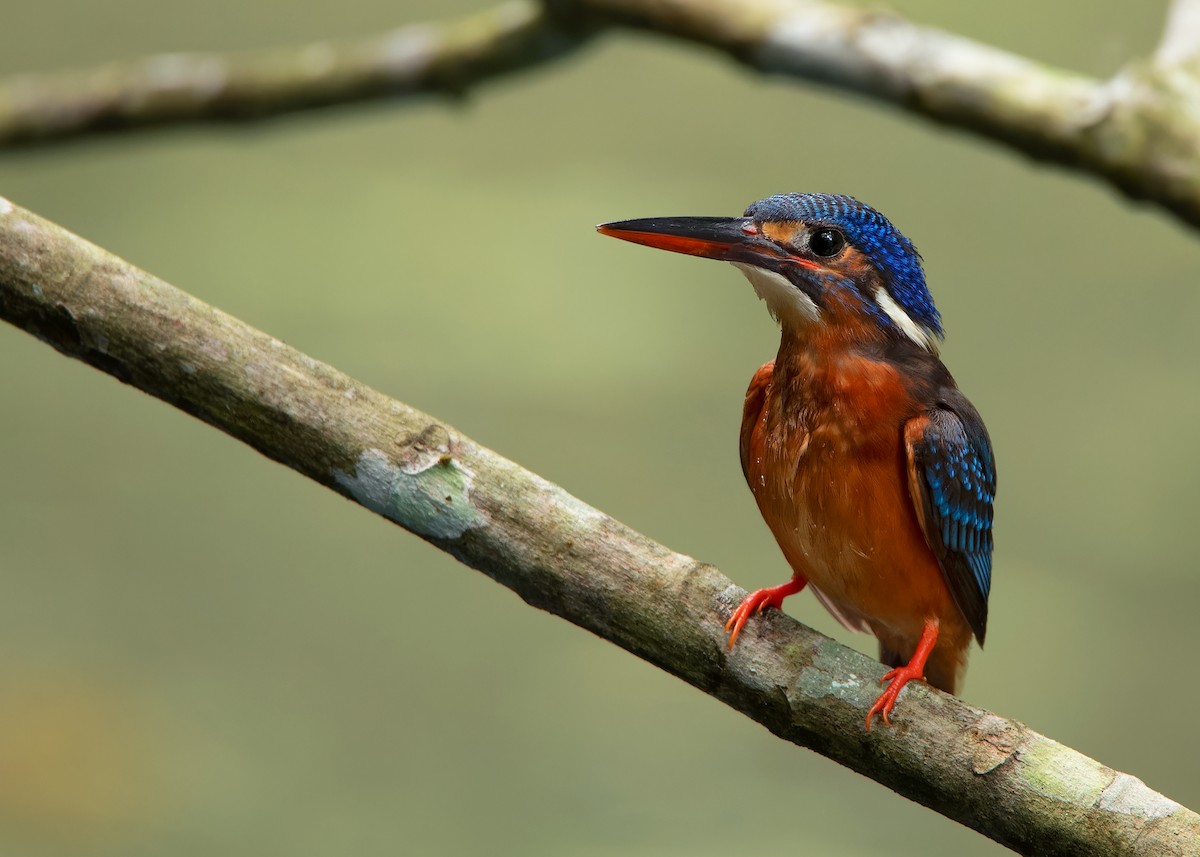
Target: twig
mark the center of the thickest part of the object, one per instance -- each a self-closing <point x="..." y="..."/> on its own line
<point x="995" y="775"/>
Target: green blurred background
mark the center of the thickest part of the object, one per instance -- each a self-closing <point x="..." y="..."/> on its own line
<point x="203" y="653"/>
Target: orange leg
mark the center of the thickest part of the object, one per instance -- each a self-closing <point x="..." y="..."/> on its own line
<point x="901" y="676"/>
<point x="760" y="600"/>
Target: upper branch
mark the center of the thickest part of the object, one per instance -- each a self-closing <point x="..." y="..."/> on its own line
<point x="1180" y="42"/>
<point x="1140" y="130"/>
<point x="995" y="775"/>
<point x="171" y="89"/>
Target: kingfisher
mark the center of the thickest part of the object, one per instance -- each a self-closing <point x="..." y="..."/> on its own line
<point x="872" y="470"/>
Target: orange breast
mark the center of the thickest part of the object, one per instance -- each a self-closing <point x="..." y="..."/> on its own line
<point x="823" y="452"/>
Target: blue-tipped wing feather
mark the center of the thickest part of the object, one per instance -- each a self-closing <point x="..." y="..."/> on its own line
<point x="953" y="476"/>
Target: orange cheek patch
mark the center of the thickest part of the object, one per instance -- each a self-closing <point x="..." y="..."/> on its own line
<point x="781" y="230"/>
<point x="853" y="264"/>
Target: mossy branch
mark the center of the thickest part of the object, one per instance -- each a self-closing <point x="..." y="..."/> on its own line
<point x="559" y="554"/>
<point x="1139" y="130"/>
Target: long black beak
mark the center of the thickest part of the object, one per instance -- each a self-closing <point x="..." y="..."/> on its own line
<point x="710" y="237"/>
<point x="728" y="239"/>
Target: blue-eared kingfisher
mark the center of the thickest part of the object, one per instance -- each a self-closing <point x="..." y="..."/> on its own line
<point x="872" y="470"/>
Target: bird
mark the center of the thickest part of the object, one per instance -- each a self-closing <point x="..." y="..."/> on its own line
<point x="873" y="471"/>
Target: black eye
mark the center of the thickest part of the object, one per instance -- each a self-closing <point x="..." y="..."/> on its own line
<point x="827" y="242"/>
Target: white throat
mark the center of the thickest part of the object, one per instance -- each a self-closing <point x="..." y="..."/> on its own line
<point x="790" y="306"/>
<point x="785" y="302"/>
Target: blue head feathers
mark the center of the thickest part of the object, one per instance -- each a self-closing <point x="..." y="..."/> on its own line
<point x="872" y="234"/>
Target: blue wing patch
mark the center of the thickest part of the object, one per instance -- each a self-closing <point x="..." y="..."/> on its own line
<point x="952" y="479"/>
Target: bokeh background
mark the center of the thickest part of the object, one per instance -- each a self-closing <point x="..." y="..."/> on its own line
<point x="203" y="653"/>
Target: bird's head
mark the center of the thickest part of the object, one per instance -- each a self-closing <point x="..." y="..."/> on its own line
<point x="816" y="259"/>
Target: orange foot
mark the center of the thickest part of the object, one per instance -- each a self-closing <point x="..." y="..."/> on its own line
<point x="760" y="600"/>
<point x="901" y="676"/>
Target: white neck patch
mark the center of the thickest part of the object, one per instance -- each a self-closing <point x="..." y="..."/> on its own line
<point x="786" y="302"/>
<point x="918" y="333"/>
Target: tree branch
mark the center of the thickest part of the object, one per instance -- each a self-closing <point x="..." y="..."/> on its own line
<point x="995" y="775"/>
<point x="1140" y="130"/>
<point x="171" y="89"/>
<point x="1180" y="42"/>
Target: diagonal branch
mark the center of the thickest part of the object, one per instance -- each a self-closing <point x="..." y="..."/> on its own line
<point x="993" y="774"/>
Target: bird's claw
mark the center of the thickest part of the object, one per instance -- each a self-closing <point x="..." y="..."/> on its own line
<point x="899" y="676"/>
<point x="758" y="601"/>
<point x="751" y="604"/>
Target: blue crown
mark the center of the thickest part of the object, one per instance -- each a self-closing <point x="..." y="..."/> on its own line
<point x="872" y="234"/>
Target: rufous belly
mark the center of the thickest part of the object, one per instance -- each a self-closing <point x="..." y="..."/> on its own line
<point x="829" y="472"/>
